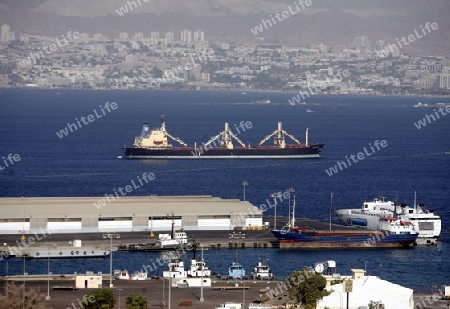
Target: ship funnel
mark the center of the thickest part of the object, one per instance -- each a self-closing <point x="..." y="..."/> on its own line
<point x="145" y="130"/>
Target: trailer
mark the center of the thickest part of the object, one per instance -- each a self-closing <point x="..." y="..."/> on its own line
<point x="445" y="292"/>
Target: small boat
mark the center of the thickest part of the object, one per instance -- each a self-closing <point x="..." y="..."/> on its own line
<point x="262" y="271"/>
<point x="165" y="242"/>
<point x="263" y="101"/>
<point x="124" y="275"/>
<point x="198" y="267"/>
<point x="198" y="275"/>
<point x="309" y="111"/>
<point x="229" y="306"/>
<point x="236" y="270"/>
<point x="139" y="275"/>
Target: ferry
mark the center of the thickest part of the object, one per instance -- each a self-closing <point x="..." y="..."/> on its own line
<point x="156" y="144"/>
<point x="426" y="223"/>
<point x="388" y="236"/>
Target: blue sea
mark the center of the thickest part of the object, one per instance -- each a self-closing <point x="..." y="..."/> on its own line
<point x="85" y="163"/>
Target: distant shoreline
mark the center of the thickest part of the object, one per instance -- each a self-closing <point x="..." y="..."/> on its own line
<point x="238" y="91"/>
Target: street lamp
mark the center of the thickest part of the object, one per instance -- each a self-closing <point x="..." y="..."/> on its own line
<point x="275" y="196"/>
<point x="244" y="183"/>
<point x="111" y="236"/>
<point x="201" y="284"/>
<point x="23" y="254"/>
<point x="290" y="190"/>
<point x="331" y="206"/>
<point x="48" y="275"/>
<point x="119" y="296"/>
<point x="151" y="215"/>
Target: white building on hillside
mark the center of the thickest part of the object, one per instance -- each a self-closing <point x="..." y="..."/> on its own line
<point x="366" y="289"/>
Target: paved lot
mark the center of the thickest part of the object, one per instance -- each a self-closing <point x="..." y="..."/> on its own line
<point x="156" y="292"/>
<point x="153" y="291"/>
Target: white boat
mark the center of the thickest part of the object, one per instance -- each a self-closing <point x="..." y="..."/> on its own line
<point x="263" y="101"/>
<point x="191" y="278"/>
<point x="229" y="306"/>
<point x="139" y="275"/>
<point x="166" y="240"/>
<point x="309" y="111"/>
<point x="124" y="275"/>
<point x="262" y="271"/>
<point x="395" y="225"/>
<point x="198" y="269"/>
<point x="176" y="269"/>
<point x="425" y="222"/>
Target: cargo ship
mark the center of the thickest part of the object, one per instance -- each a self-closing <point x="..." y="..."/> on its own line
<point x="392" y="233"/>
<point x="155" y="144"/>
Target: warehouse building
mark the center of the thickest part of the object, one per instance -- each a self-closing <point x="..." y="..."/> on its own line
<point x="125" y="214"/>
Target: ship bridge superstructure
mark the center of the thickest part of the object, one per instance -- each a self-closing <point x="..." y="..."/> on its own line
<point x="157" y="138"/>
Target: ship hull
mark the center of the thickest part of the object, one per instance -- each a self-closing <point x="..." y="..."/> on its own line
<point x="270" y="152"/>
<point x="343" y="240"/>
<point x="54" y="253"/>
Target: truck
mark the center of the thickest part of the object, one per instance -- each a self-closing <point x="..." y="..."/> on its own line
<point x="445" y="292"/>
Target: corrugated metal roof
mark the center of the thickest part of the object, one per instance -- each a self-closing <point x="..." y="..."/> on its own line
<point x="81" y="207"/>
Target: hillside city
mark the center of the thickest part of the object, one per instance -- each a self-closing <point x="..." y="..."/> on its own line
<point x="189" y="61"/>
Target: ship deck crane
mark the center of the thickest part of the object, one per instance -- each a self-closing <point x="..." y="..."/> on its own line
<point x="279" y="140"/>
<point x="167" y="134"/>
<point x="226" y="141"/>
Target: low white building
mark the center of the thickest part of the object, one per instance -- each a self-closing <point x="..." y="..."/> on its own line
<point x="366" y="289"/>
<point x="88" y="281"/>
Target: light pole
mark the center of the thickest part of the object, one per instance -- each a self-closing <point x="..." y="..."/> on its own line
<point x="290" y="190"/>
<point x="48" y="275"/>
<point x="275" y="196"/>
<point x="119" y="296"/>
<point x="164" y="288"/>
<point x="331" y="206"/>
<point x="201" y="283"/>
<point x="170" y="289"/>
<point x="244" y="183"/>
<point x="111" y="236"/>
<point x="151" y="215"/>
<point x="23" y="294"/>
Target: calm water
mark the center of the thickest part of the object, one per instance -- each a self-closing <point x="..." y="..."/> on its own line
<point x="85" y="163"/>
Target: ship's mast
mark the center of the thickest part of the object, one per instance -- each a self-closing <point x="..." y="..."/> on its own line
<point x="167" y="134"/>
<point x="415" y="205"/>
<point x="293" y="212"/>
<point x="279" y="134"/>
<point x="226" y="138"/>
